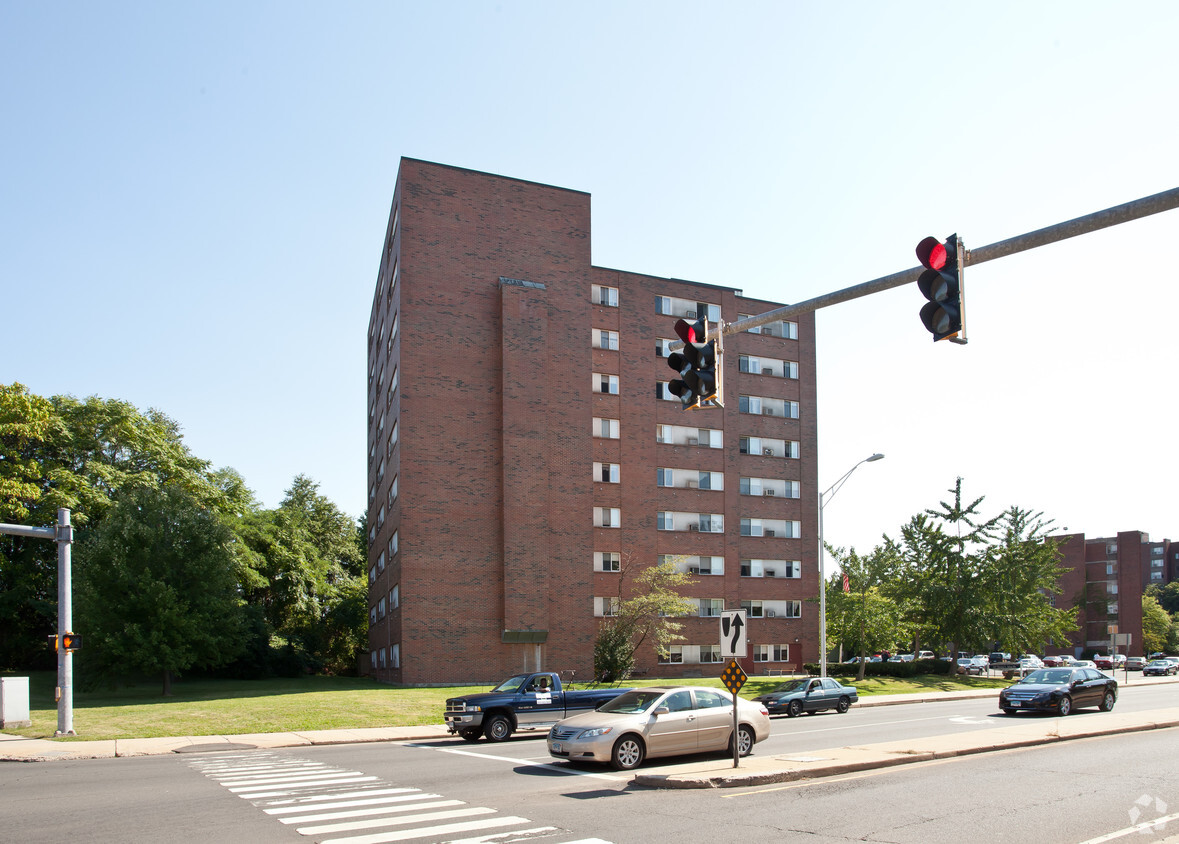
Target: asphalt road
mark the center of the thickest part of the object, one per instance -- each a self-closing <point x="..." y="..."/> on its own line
<point x="453" y="791"/>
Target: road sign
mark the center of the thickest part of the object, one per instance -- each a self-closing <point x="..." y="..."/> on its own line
<point x="732" y="633"/>
<point x="733" y="677"/>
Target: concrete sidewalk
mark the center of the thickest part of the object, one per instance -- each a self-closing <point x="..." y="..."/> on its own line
<point x="1013" y="732"/>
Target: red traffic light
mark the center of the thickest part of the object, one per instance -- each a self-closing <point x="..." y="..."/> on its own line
<point x="931" y="252"/>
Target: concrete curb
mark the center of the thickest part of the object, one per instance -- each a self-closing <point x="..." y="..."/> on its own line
<point x="848" y="760"/>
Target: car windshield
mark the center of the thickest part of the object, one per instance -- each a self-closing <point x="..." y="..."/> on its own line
<point x="792" y="686"/>
<point x="631" y="703"/>
<point x="1159" y="663"/>
<point x="1048" y="677"/>
<point x="511" y="684"/>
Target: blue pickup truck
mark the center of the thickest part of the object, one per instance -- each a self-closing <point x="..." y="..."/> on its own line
<point x="533" y="701"/>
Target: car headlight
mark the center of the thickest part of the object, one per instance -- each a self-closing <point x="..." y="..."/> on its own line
<point x="594" y="732"/>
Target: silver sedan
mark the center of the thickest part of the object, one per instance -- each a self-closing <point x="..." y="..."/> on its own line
<point x="659" y="721"/>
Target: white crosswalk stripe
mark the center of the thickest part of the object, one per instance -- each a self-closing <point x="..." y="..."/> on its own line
<point x="338" y="806"/>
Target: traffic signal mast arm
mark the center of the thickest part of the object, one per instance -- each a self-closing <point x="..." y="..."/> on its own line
<point x="1134" y="210"/>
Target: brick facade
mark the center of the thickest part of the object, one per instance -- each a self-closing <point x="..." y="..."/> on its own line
<point x="488" y="282"/>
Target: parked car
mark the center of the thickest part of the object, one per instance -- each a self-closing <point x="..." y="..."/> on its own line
<point x="1159" y="668"/>
<point x="1083" y="663"/>
<point x="1119" y="660"/>
<point x="999" y="656"/>
<point x="1103" y="661"/>
<point x="658" y="721"/>
<point x="926" y="655"/>
<point x="809" y="694"/>
<point x="1060" y="690"/>
<point x="1135" y="663"/>
<point x="1057" y="660"/>
<point x="533" y="701"/>
<point x="970" y="666"/>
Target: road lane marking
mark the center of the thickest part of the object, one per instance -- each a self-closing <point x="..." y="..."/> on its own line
<point x="525" y="762"/>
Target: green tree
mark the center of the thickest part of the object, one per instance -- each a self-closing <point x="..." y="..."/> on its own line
<point x="1021" y="573"/>
<point x="156" y="587"/>
<point x="864" y="619"/>
<point x="303" y="565"/>
<point x="1156" y="625"/>
<point x="648" y="601"/>
<point x="62" y="452"/>
<point x="942" y="554"/>
<point x="1167" y="595"/>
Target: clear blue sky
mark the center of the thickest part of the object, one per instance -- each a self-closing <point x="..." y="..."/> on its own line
<point x="195" y="196"/>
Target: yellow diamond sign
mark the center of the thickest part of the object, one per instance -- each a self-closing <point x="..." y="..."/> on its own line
<point x="733" y="677"/>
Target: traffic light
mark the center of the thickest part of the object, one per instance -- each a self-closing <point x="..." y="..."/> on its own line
<point x="941" y="283"/>
<point x="697" y="366"/>
<point x="71" y="641"/>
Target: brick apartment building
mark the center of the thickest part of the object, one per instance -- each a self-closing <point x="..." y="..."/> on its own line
<point x="523" y="448"/>
<point x="1106" y="579"/>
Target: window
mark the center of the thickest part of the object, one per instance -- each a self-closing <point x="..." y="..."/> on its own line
<point x="710" y="653"/>
<point x="381" y="608"/>
<point x="753" y="608"/>
<point x="664" y="477"/>
<point x="605" y="383"/>
<point x="381" y="652"/>
<point x="394" y="380"/>
<point x="381" y="516"/>
<point x="771" y="653"/>
<point x="372" y="615"/>
<point x="395" y="656"/>
<point x="607" y="561"/>
<point x="601" y="295"/>
<point x="605" y="339"/>
<point x="372" y="575"/>
<point x="393" y="278"/>
<point x="606" y="428"/>
<point x="393" y="332"/>
<point x="792" y="609"/>
<point x="394" y="543"/>
<point x="665" y="521"/>
<point x="663" y="347"/>
<point x="395" y="596"/>
<point x="675" y="654"/>
<point x="381" y="562"/>
<point x="712" y="607"/>
<point x="393" y="490"/>
<point x="610" y="517"/>
<point x="392" y="441"/>
<point x="372" y="493"/>
<point x="606" y="607"/>
<point x="606" y="472"/>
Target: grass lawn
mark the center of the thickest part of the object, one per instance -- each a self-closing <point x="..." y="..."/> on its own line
<point x="200" y="707"/>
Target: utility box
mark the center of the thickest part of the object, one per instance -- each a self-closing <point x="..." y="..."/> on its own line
<point x="14" y="702"/>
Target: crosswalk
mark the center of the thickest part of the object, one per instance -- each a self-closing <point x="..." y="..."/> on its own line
<point x="337" y="806"/>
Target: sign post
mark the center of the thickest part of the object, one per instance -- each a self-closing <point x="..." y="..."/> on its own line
<point x="732" y="643"/>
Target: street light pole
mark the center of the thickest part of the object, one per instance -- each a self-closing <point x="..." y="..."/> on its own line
<point x="824" y="497"/>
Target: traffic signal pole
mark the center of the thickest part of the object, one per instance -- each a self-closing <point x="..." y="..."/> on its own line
<point x="63" y="534"/>
<point x="1134" y="210"/>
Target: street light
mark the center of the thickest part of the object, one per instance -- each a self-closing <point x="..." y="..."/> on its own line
<point x="824" y="497"/>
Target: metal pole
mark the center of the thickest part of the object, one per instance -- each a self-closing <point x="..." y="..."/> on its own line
<point x="1134" y="210"/>
<point x="829" y="494"/>
<point x="65" y="624"/>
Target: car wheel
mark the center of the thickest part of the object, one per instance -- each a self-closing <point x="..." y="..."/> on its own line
<point x="745" y="740"/>
<point x="628" y="753"/>
<point x="498" y="728"/>
<point x="1066" y="706"/>
<point x="471" y="734"/>
<point x="795" y="708"/>
<point x="1107" y="701"/>
<point x="843" y="706"/>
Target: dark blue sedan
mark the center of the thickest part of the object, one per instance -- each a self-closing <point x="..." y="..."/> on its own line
<point x="810" y="695"/>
